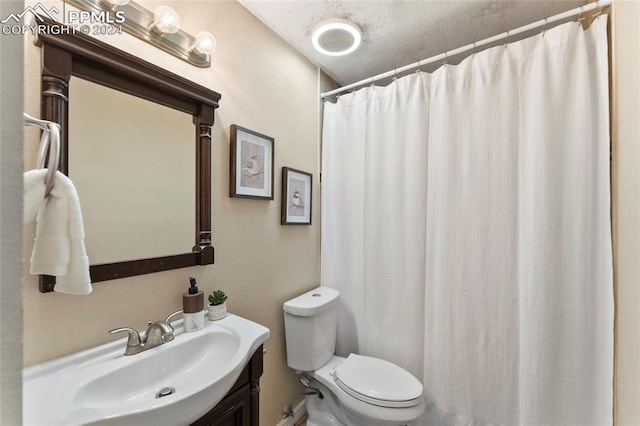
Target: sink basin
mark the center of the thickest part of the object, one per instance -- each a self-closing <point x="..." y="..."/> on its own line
<point x="102" y="386"/>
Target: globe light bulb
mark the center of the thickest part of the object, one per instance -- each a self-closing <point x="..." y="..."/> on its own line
<point x="165" y="20"/>
<point x="205" y="43"/>
<point x="114" y="3"/>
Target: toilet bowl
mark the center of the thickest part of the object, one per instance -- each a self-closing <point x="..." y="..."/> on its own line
<point x="389" y="396"/>
<point x="352" y="391"/>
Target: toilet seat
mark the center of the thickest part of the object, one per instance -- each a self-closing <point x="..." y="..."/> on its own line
<point x="378" y="382"/>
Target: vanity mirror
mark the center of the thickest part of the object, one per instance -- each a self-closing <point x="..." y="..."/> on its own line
<point x="166" y="121"/>
<point x="149" y="194"/>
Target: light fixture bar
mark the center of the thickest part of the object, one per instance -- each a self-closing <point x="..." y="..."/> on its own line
<point x="138" y="23"/>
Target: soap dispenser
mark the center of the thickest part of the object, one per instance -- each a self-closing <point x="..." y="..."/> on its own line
<point x="193" y="306"/>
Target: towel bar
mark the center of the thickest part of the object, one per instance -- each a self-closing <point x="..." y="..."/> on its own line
<point x="49" y="142"/>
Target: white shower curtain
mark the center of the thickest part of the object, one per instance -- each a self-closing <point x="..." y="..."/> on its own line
<point x="465" y="221"/>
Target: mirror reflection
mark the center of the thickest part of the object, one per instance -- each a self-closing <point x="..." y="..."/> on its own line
<point x="132" y="162"/>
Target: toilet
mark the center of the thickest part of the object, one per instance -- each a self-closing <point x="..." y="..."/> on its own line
<point x="352" y="391"/>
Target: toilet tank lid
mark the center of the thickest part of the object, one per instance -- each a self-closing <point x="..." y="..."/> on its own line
<point x="312" y="302"/>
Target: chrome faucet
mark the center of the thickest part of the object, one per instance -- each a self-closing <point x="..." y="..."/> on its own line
<point x="157" y="333"/>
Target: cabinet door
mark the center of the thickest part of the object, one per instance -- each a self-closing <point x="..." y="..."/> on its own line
<point x="233" y="410"/>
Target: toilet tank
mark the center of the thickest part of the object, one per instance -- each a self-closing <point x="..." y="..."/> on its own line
<point x="310" y="322"/>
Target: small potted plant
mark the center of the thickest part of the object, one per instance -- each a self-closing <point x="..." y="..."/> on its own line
<point x="217" y="305"/>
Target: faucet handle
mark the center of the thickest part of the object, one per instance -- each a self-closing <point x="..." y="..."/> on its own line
<point x="170" y="317"/>
<point x="134" y="336"/>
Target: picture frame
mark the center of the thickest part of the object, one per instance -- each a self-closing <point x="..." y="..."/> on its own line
<point x="251" y="164"/>
<point x="296" y="197"/>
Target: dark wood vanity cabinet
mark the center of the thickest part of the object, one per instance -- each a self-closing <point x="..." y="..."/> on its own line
<point x="241" y="406"/>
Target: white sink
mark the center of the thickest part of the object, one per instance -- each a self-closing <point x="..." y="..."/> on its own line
<point x="102" y="386"/>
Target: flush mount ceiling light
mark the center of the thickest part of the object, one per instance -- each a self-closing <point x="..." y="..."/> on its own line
<point x="336" y="37"/>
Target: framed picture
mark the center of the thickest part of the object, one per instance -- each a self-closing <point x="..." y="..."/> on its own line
<point x="296" y="197"/>
<point x="251" y="171"/>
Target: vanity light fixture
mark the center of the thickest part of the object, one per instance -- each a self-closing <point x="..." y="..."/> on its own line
<point x="336" y="37"/>
<point x="160" y="28"/>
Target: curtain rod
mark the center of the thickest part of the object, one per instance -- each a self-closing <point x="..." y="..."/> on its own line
<point x="469" y="47"/>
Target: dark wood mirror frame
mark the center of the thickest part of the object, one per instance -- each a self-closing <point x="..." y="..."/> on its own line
<point x="64" y="54"/>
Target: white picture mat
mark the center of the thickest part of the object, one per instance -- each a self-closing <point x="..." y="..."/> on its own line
<point x="268" y="155"/>
<point x="295" y="176"/>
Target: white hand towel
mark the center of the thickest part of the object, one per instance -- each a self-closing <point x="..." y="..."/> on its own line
<point x="34" y="189"/>
<point x="59" y="248"/>
<point x="50" y="253"/>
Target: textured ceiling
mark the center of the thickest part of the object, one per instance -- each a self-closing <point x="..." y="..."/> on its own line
<point x="398" y="32"/>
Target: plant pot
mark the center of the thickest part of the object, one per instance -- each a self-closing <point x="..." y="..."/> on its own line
<point x="217" y="312"/>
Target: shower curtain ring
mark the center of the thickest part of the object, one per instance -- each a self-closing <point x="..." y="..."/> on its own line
<point x="580" y="17"/>
<point x="598" y="10"/>
<point x="473" y="50"/>
<point x="544" y="27"/>
<point x="506" y="39"/>
<point x="445" y="61"/>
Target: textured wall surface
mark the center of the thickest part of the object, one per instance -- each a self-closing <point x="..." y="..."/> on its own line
<point x="10" y="222"/>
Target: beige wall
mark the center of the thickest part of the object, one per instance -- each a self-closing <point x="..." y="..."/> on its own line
<point x="265" y="86"/>
<point x="626" y="178"/>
